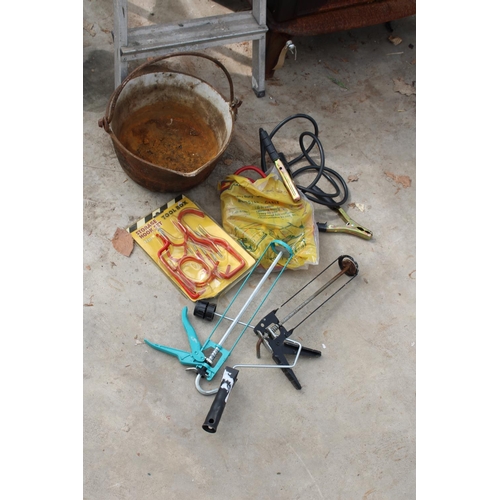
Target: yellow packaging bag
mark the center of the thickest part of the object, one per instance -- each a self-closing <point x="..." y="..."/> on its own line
<point x="256" y="212"/>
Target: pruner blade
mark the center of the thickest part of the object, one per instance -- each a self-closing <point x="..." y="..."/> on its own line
<point x="350" y="227"/>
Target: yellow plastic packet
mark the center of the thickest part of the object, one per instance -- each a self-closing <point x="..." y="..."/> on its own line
<point x="196" y="254"/>
<point x="256" y="212"/>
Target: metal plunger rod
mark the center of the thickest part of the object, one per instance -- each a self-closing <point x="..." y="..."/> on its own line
<point x="314" y="295"/>
<point x="232" y="319"/>
<point x="245" y="306"/>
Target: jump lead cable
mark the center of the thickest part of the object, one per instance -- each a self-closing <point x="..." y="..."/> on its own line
<point x="313" y="192"/>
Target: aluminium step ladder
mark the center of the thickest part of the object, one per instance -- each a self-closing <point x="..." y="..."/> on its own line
<point x="193" y="34"/>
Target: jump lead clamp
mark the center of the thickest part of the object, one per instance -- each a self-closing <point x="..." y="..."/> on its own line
<point x="312" y="192"/>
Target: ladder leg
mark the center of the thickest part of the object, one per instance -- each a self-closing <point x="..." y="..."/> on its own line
<point x="259" y="50"/>
<point x="259" y="66"/>
<point x="120" y="35"/>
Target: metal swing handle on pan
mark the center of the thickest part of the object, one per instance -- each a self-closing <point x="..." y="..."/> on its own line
<point x="110" y="108"/>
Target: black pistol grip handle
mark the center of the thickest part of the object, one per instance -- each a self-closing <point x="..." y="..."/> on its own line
<point x="290" y="375"/>
<point x="214" y="415"/>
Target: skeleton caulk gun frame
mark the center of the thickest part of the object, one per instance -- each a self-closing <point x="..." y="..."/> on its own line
<point x="275" y="337"/>
<point x="208" y="358"/>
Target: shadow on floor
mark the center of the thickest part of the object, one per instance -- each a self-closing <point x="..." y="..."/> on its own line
<point x="98" y="80"/>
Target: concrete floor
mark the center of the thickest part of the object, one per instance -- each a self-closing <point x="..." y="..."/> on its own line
<point x="350" y="432"/>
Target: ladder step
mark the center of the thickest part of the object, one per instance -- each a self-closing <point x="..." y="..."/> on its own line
<point x="192" y="34"/>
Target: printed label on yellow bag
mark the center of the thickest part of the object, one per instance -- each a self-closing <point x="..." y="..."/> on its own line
<point x="257" y="212"/>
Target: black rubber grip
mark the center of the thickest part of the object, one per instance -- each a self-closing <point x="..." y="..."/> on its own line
<point x="268" y="145"/>
<point x="204" y="310"/>
<point x="214" y="415"/>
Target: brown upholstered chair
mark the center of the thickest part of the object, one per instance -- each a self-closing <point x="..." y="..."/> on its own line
<point x="289" y="18"/>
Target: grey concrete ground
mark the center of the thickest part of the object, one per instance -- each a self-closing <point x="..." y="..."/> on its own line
<point x="350" y="432"/>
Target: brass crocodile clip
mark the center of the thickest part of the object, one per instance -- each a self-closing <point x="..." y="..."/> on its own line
<point x="351" y="227"/>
